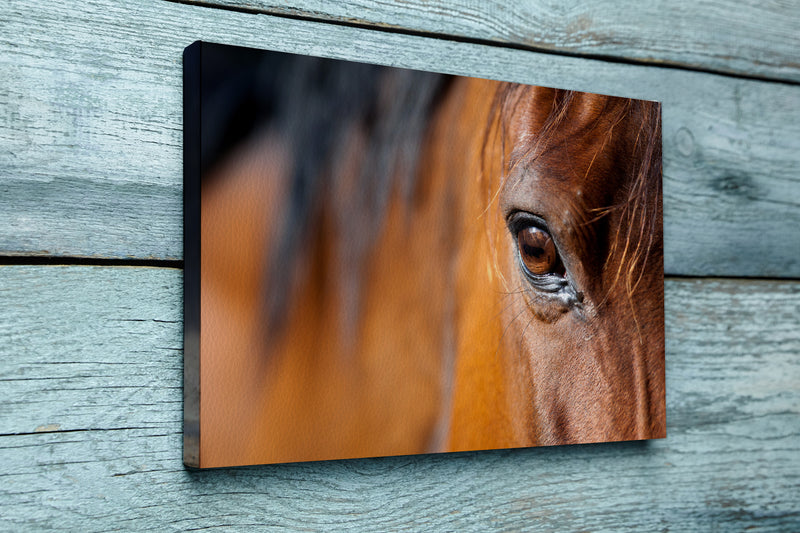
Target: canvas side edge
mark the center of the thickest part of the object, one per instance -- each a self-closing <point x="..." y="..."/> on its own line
<point x="191" y="253"/>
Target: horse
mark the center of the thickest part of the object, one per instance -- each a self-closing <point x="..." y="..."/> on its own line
<point x="397" y="262"/>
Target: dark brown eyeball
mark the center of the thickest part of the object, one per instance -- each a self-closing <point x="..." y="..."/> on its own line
<point x="538" y="251"/>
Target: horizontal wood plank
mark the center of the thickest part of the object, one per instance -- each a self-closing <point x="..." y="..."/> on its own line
<point x="90" y="429"/>
<point x="91" y="131"/>
<point x="749" y="38"/>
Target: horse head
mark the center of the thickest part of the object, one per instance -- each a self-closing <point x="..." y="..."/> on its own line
<point x="571" y="241"/>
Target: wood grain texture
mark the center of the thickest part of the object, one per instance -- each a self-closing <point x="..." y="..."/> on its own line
<point x="91" y="357"/>
<point x="748" y="38"/>
<point x="90" y="429"/>
<point x="91" y="136"/>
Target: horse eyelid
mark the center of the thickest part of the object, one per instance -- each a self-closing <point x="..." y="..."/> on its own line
<point x="518" y="220"/>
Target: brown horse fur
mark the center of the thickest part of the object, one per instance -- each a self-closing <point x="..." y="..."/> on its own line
<point x="592" y="371"/>
<point x="372" y="302"/>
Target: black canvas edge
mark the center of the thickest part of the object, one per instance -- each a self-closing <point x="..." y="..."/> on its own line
<point x="192" y="83"/>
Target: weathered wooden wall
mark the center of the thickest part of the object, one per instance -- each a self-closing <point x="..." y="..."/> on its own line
<point x="90" y="353"/>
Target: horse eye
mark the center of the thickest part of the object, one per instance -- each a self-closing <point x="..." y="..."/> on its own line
<point x="538" y="251"/>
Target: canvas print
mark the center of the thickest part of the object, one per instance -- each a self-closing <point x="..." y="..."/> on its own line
<point x="382" y="261"/>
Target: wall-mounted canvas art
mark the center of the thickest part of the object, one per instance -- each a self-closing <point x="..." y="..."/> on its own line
<point x="382" y="261"/>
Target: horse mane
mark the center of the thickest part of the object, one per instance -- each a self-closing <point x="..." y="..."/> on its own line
<point x="315" y="107"/>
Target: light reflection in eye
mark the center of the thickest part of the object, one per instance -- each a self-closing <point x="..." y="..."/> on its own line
<point x="537" y="251"/>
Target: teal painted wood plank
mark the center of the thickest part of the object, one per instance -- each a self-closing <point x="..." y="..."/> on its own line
<point x="90" y="147"/>
<point x="90" y="430"/>
<point x="748" y="38"/>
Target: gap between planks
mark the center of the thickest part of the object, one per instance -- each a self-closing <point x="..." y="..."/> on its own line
<point x="41" y="260"/>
